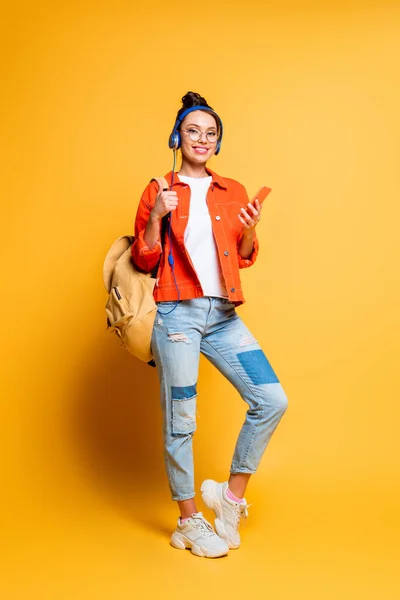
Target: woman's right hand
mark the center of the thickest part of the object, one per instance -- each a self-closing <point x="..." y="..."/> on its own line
<point x="166" y="201"/>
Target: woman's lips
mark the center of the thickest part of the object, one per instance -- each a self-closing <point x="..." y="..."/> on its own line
<point x="200" y="149"/>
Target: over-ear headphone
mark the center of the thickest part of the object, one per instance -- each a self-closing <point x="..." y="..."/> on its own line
<point x="175" y="137"/>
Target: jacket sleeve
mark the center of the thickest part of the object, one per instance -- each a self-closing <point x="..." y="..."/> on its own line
<point x="247" y="262"/>
<point x="142" y="257"/>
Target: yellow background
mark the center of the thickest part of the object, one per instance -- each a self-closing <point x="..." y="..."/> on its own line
<point x="309" y="94"/>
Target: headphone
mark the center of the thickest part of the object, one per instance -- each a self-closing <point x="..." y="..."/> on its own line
<point x="175" y="137"/>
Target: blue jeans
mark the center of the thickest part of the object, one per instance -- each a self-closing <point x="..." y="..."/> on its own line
<point x="211" y="326"/>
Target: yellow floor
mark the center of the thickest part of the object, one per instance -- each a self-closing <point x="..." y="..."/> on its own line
<point x="314" y="541"/>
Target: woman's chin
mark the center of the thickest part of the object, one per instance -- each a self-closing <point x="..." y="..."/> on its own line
<point x="195" y="160"/>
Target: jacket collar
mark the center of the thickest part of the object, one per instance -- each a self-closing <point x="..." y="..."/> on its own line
<point x="217" y="179"/>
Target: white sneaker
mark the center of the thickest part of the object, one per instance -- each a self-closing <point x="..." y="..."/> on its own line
<point x="228" y="512"/>
<point x="198" y="534"/>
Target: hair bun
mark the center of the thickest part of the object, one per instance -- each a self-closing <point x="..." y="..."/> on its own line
<point x="193" y="99"/>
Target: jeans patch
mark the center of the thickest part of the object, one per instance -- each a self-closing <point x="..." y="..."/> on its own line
<point x="257" y="367"/>
<point x="184" y="416"/>
<point x="182" y="393"/>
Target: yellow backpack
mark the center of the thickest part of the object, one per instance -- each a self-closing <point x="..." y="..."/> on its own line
<point x="130" y="307"/>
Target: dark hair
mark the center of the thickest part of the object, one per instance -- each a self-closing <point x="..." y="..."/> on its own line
<point x="193" y="99"/>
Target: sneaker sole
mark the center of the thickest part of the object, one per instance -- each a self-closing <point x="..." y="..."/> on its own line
<point x="211" y="494"/>
<point x="181" y="542"/>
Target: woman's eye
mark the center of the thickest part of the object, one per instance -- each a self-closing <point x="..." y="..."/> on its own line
<point x="212" y="134"/>
<point x="193" y="131"/>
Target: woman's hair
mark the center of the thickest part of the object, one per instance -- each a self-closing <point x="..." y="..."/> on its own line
<point x="193" y="99"/>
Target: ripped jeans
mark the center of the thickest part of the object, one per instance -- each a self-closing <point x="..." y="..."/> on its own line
<point x="211" y="326"/>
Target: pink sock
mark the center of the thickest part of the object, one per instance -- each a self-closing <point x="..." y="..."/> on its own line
<point x="184" y="520"/>
<point x="232" y="496"/>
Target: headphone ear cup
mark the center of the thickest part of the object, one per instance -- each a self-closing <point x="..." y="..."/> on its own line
<point x="174" y="141"/>
<point x="171" y="141"/>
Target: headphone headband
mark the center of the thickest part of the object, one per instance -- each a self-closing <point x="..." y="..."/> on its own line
<point x="193" y="108"/>
<point x="175" y="138"/>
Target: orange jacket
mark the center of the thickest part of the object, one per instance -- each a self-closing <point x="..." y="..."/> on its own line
<point x="225" y="197"/>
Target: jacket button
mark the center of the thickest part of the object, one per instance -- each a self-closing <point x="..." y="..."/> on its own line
<point x="217" y="218"/>
<point x="232" y="289"/>
<point x="226" y="253"/>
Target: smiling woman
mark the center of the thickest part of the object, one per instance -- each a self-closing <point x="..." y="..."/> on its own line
<point x="211" y="236"/>
<point x="201" y="129"/>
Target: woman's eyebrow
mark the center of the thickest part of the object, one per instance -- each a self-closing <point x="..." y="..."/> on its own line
<point x="195" y="124"/>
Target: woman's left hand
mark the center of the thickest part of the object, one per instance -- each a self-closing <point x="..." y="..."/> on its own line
<point x="250" y="216"/>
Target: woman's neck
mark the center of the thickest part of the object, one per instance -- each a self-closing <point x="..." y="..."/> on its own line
<point x="193" y="171"/>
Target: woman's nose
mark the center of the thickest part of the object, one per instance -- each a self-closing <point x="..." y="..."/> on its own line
<point x="201" y="136"/>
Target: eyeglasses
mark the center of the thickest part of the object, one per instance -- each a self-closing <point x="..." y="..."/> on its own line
<point x="195" y="135"/>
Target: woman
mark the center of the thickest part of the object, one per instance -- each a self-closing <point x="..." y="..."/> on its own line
<point x="210" y="235"/>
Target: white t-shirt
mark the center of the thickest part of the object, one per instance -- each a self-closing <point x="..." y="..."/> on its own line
<point x="199" y="239"/>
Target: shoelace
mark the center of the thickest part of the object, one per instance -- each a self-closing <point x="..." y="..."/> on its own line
<point x="241" y="513"/>
<point x="204" y="526"/>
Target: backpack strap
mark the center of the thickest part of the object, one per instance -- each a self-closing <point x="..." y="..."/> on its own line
<point x="164" y="222"/>
<point x="162" y="181"/>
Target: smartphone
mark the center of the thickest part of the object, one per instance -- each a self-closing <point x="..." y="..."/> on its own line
<point x="261" y="195"/>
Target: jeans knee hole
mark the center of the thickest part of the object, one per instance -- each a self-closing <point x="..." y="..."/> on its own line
<point x="184" y="415"/>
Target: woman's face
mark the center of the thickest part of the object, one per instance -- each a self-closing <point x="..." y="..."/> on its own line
<point x="198" y="152"/>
